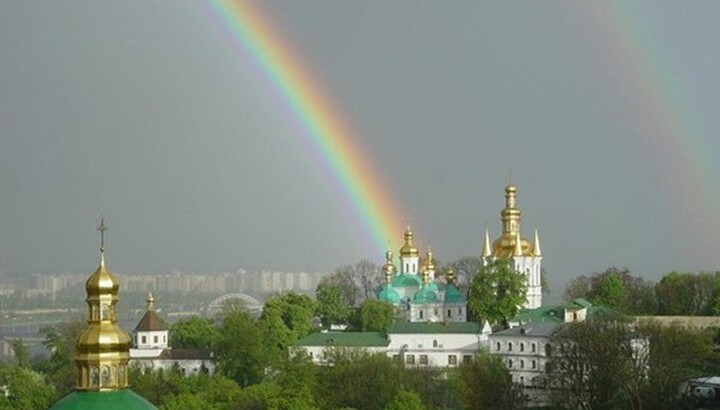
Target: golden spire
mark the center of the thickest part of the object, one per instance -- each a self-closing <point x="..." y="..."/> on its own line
<point x="150" y="299"/>
<point x="536" y="245"/>
<point x="388" y="268"/>
<point x="409" y="249"/>
<point x="511" y="214"/>
<point x="486" y="252"/>
<point x="518" y="244"/>
<point x="102" y="349"/>
<point x="430" y="262"/>
<point x="102" y="228"/>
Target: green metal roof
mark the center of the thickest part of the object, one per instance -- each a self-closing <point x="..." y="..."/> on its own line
<point x="453" y="295"/>
<point x="435" y="327"/>
<point x="406" y="279"/>
<point x="556" y="314"/>
<point x="388" y="294"/>
<point x="425" y="295"/>
<point x="124" y="399"/>
<point x="579" y="303"/>
<point x="345" y="339"/>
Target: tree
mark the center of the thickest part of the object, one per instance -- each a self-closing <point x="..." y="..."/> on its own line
<point x="639" y="294"/>
<point x="359" y="380"/>
<point x="60" y="341"/>
<point x="578" y="288"/>
<point x="675" y="355"/>
<point x="26" y="389"/>
<point x="285" y="320"/>
<point x="343" y="280"/>
<point x="485" y="383"/>
<point x="376" y="315"/>
<point x="688" y="293"/>
<point x="194" y="332"/>
<point x="612" y="293"/>
<point x="240" y="350"/>
<point x="406" y="400"/>
<point x="465" y="270"/>
<point x="497" y="292"/>
<point x="22" y="354"/>
<point x="591" y="365"/>
<point x="330" y="306"/>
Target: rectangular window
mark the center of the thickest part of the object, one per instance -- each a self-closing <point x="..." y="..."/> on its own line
<point x="522" y="347"/>
<point x="534" y="364"/>
<point x="155" y="339"/>
<point x="449" y="312"/>
<point x="423" y="359"/>
<point x="467" y="358"/>
<point x="144" y="339"/>
<point x="452" y="360"/>
<point x="410" y="359"/>
<point x="421" y="314"/>
<point x="396" y="357"/>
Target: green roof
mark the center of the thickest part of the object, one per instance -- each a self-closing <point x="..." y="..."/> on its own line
<point x="425" y="295"/>
<point x="124" y="399"/>
<point x="435" y="327"/>
<point x="406" y="279"/>
<point x="345" y="339"/>
<point x="388" y="294"/>
<point x="578" y="303"/>
<point x="556" y="314"/>
<point x="453" y="295"/>
<point x="552" y="314"/>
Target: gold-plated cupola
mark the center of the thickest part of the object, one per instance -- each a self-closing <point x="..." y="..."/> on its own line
<point x="388" y="268"/>
<point x="408" y="249"/>
<point x="102" y="349"/>
<point x="505" y="246"/>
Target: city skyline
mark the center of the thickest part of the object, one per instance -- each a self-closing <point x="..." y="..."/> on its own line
<point x="156" y="119"/>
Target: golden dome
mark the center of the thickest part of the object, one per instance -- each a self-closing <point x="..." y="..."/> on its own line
<point x="409" y="249"/>
<point x="504" y="246"/>
<point x="101" y="281"/>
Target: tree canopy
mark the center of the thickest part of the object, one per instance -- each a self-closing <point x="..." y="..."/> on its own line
<point x="497" y="292"/>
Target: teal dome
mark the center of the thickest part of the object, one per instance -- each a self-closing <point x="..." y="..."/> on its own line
<point x="124" y="399"/>
<point x="453" y="295"/>
<point x="425" y="295"/>
<point x="388" y="294"/>
<point x="406" y="280"/>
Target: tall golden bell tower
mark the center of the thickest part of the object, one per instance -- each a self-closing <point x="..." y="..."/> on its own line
<point x="102" y="350"/>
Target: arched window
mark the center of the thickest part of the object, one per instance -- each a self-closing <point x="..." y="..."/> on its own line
<point x="510" y="363"/>
<point x="497" y="346"/>
<point x="509" y="346"/>
<point x="533" y="347"/>
<point x="421" y="314"/>
<point x="522" y="364"/>
<point x="522" y="347"/>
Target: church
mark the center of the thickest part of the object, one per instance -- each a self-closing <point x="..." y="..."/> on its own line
<point x="417" y="293"/>
<point x="435" y="331"/>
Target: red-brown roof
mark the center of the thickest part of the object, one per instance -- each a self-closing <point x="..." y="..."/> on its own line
<point x="151" y="322"/>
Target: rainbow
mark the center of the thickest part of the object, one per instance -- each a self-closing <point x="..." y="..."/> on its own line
<point x="323" y="128"/>
<point x="663" y="111"/>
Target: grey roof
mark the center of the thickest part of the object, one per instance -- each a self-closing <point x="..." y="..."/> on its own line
<point x="542" y="329"/>
<point x="435" y="327"/>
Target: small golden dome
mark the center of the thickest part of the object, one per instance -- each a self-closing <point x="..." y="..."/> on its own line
<point x="102" y="281"/>
<point x="409" y="249"/>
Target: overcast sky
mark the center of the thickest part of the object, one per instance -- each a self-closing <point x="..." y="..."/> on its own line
<point x="146" y="113"/>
